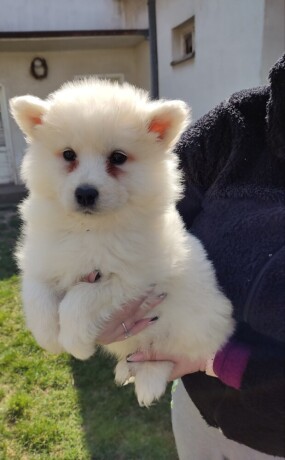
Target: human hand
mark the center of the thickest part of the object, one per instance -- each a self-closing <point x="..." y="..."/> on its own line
<point x="130" y="319"/>
<point x="182" y="365"/>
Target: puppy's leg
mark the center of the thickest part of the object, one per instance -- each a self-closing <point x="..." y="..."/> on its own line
<point x="80" y="314"/>
<point x="41" y="311"/>
<point x="150" y="380"/>
<point x="122" y="373"/>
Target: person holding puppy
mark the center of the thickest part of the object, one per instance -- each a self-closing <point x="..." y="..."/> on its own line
<point x="233" y="405"/>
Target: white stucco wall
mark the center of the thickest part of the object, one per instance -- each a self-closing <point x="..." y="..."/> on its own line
<point x="134" y="13"/>
<point x="273" y="45"/>
<point x="142" y="66"/>
<point x="15" y="76"/>
<point x="228" y="50"/>
<point x="47" y="15"/>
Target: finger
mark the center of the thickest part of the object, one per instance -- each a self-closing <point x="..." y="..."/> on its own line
<point x="175" y="373"/>
<point x="130" y="315"/>
<point x="128" y="310"/>
<point x="143" y="324"/>
<point x="137" y="327"/>
<point x="142" y="356"/>
<point x="146" y="356"/>
<point x="113" y="327"/>
<point x="151" y="301"/>
<point x="147" y="305"/>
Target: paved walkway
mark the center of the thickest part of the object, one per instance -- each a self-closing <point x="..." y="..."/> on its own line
<point x="8" y="216"/>
<point x="9" y="233"/>
<point x="11" y="193"/>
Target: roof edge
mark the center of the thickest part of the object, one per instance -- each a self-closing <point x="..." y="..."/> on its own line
<point x="73" y="33"/>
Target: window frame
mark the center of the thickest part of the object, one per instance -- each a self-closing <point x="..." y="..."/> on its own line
<point x="179" y="36"/>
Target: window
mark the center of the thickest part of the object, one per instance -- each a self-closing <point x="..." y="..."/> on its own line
<point x="188" y="43"/>
<point x="183" y="42"/>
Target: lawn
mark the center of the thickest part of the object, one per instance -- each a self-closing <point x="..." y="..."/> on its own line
<point x="55" y="407"/>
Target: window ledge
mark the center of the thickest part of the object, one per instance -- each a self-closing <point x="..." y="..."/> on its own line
<point x="185" y="58"/>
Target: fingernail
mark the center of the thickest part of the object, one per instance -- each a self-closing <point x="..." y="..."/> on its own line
<point x="162" y="295"/>
<point x="152" y="320"/>
<point x="152" y="297"/>
<point x="134" y="357"/>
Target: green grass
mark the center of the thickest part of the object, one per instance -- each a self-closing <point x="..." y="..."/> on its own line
<point x="55" y="407"/>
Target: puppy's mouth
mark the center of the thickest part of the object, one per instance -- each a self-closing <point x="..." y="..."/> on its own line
<point x="86" y="211"/>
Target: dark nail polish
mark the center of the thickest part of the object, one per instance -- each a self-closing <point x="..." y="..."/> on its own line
<point x="155" y="318"/>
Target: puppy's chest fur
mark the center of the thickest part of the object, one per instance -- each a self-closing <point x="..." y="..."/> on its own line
<point x="135" y="258"/>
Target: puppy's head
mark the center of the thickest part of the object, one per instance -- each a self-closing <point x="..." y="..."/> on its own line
<point x="95" y="147"/>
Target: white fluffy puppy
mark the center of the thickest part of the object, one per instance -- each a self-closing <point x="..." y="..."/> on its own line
<point x="103" y="183"/>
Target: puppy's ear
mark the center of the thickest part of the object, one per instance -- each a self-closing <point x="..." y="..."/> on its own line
<point x="168" y="120"/>
<point x="28" y="112"/>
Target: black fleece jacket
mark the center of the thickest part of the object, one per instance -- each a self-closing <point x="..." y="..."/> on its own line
<point x="234" y="164"/>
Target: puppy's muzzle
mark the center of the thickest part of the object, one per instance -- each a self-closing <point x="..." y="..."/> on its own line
<point x="86" y="196"/>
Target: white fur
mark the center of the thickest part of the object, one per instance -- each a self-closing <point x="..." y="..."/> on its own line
<point x="135" y="237"/>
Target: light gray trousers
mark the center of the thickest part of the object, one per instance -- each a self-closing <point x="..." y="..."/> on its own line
<point x="195" y="440"/>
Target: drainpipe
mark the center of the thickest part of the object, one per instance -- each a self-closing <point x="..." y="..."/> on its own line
<point x="153" y="48"/>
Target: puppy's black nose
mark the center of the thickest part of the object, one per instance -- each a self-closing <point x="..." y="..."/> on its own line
<point x="86" y="195"/>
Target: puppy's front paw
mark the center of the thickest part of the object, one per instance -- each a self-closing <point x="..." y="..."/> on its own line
<point x="151" y="381"/>
<point x="122" y="373"/>
<point x="46" y="334"/>
<point x="74" y="346"/>
<point x="49" y="343"/>
<point x="75" y="327"/>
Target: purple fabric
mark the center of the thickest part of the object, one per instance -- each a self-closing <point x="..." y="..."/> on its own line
<point x="230" y="363"/>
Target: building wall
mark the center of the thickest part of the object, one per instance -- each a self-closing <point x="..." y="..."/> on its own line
<point x="134" y="13"/>
<point x="39" y="15"/>
<point x="273" y="45"/>
<point x="229" y="40"/>
<point x="142" y="66"/>
<point x="133" y="62"/>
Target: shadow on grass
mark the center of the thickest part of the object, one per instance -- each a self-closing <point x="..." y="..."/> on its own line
<point x="115" y="427"/>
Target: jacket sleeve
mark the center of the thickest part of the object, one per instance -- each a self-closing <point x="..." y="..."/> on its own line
<point x="259" y="404"/>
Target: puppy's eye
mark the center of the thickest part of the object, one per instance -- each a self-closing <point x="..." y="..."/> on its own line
<point x="117" y="157"/>
<point x="69" y="155"/>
